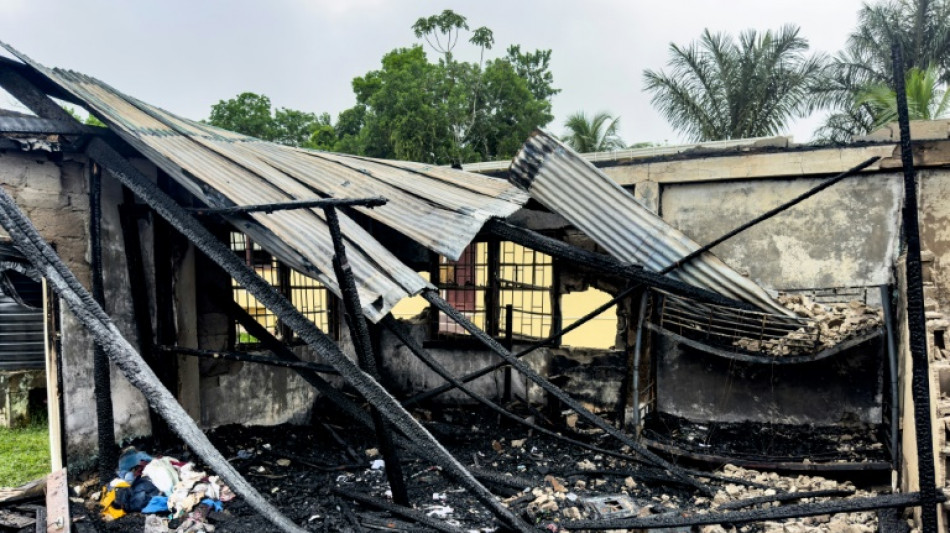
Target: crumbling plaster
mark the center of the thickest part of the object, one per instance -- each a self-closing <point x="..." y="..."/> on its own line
<point x="847" y="235"/>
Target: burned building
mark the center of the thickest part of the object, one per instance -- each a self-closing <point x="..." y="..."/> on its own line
<point x="207" y="278"/>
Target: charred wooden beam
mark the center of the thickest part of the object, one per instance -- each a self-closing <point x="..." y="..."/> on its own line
<point x="359" y="334"/>
<point x="130" y="363"/>
<point x="108" y="455"/>
<point x="687" y="519"/>
<point x="409" y="514"/>
<point x="786" y="497"/>
<point x="433" y="297"/>
<point x="296" y="204"/>
<point x="916" y="321"/>
<point x="399" y="330"/>
<point x="128" y="175"/>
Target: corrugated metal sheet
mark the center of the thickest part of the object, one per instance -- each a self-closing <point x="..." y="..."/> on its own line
<point x="440" y="208"/>
<point x="565" y="183"/>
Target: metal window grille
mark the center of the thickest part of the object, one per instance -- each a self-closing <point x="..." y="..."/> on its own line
<point x="525" y="280"/>
<point x="307" y="294"/>
<point x="465" y="284"/>
<point x="491" y="275"/>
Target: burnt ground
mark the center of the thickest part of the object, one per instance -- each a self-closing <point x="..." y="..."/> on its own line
<point x="297" y="467"/>
<point x="769" y="442"/>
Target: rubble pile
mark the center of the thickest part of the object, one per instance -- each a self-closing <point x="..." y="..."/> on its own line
<point x="863" y="522"/>
<point x="829" y="325"/>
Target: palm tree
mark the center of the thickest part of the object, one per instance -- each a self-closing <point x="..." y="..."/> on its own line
<point x="926" y="98"/>
<point x="921" y="27"/>
<point x="594" y="134"/>
<point x="718" y="88"/>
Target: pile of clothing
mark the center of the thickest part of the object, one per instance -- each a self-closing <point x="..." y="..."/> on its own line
<point x="165" y="486"/>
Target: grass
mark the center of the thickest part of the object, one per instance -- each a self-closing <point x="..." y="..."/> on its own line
<point x="24" y="453"/>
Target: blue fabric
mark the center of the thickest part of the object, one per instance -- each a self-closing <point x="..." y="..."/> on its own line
<point x="158" y="504"/>
<point x="136" y="497"/>
<point x="131" y="459"/>
<point x="214" y="504"/>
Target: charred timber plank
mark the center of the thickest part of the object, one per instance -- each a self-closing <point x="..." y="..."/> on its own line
<point x="359" y="334"/>
<point x="786" y="497"/>
<point x="128" y="175"/>
<point x="296" y="204"/>
<point x="606" y="264"/>
<point x="916" y="320"/>
<point x="108" y="455"/>
<point x="686" y="519"/>
<point x="433" y="297"/>
<point x="409" y="514"/>
<point x="405" y="337"/>
<point x="248" y="358"/>
<point x="127" y="360"/>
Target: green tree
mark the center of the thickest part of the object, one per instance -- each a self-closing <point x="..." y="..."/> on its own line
<point x="248" y="113"/>
<point x="927" y="98"/>
<point x="592" y="134"/>
<point x="447" y="111"/>
<point x="720" y="88"/>
<point x="921" y="27"/>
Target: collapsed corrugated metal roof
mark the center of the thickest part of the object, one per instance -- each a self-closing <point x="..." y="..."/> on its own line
<point x="565" y="183"/>
<point x="438" y="207"/>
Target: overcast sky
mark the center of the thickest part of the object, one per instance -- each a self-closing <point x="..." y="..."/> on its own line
<point x="185" y="55"/>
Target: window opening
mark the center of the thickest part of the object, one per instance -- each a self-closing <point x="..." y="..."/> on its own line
<point x="308" y="295"/>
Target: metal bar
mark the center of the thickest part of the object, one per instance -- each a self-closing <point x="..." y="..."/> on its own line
<point x="892" y="371"/>
<point x="248" y="358"/>
<point x="295" y="204"/>
<point x="687" y="519"/>
<point x="359" y="335"/>
<point x="129" y="362"/>
<point x="284" y="309"/>
<point x="433" y="297"/>
<point x="108" y="455"/>
<point x="397" y="510"/>
<point x="637" y="347"/>
<point x="509" y="318"/>
<point x="916" y="322"/>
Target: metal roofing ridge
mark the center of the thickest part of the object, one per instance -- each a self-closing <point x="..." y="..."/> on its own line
<point x="650" y="152"/>
<point x="543" y="158"/>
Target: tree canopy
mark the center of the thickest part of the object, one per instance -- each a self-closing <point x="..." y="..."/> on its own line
<point x="252" y="114"/>
<point x="436" y="111"/>
<point x="598" y="133"/>
<point x="720" y="88"/>
<point x="921" y="27"/>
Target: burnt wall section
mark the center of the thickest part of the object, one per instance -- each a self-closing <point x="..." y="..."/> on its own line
<point x="699" y="386"/>
<point x="845" y="236"/>
<point x="233" y="392"/>
<point x="54" y="194"/>
<point x="408" y="374"/>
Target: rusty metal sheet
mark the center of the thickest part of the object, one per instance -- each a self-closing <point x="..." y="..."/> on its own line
<point x="567" y="184"/>
<point x="440" y="208"/>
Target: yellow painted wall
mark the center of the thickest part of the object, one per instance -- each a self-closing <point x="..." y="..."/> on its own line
<point x="601" y="332"/>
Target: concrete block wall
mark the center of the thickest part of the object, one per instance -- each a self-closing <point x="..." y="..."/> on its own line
<point x="54" y="195"/>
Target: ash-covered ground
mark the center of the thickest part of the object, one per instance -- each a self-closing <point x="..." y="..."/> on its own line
<point x="546" y="481"/>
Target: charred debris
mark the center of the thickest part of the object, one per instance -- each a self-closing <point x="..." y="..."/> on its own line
<point x="535" y="449"/>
